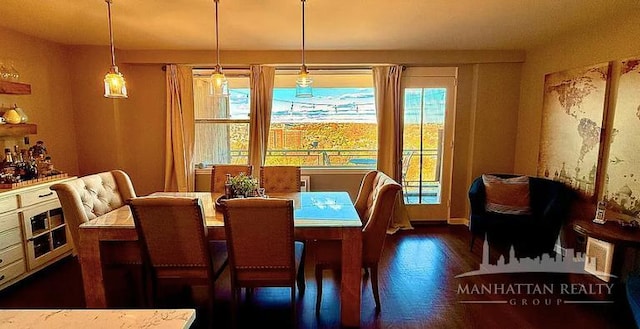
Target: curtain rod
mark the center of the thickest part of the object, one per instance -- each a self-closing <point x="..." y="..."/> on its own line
<point x="291" y="67"/>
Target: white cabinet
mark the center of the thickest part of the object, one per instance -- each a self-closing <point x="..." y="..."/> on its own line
<point x="33" y="231"/>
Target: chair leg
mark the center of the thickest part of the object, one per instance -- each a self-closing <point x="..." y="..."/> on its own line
<point x="318" y="273"/>
<point x="210" y="318"/>
<point x="374" y="286"/>
<point x="294" y="316"/>
<point x="300" y="277"/>
<point x="221" y="269"/>
<point x="235" y="300"/>
<point x="473" y="239"/>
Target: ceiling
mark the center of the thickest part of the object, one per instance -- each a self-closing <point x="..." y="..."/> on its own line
<point x="330" y="24"/>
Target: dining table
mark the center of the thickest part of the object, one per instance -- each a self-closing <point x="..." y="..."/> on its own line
<point x="317" y="215"/>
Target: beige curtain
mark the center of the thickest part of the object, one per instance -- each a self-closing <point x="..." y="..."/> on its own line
<point x="179" y="170"/>
<point x="261" y="82"/>
<point x="386" y="81"/>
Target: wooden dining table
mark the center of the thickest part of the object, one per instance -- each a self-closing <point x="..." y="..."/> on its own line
<point x="317" y="215"/>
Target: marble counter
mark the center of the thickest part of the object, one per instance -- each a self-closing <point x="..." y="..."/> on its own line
<point x="97" y="318"/>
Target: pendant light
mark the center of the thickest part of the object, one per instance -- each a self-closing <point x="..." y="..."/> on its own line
<point x="114" y="84"/>
<point x="219" y="87"/>
<point x="304" y="81"/>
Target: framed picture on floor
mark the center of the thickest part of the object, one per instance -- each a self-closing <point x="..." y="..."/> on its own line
<point x="598" y="258"/>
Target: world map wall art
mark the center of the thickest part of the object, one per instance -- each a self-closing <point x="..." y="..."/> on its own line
<point x="622" y="180"/>
<point x="572" y="114"/>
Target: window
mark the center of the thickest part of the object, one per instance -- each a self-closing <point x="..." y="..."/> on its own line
<point x="334" y="128"/>
<point x="221" y="130"/>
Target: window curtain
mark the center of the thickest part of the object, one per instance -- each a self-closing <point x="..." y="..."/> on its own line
<point x="386" y="81"/>
<point x="179" y="170"/>
<point x="261" y="82"/>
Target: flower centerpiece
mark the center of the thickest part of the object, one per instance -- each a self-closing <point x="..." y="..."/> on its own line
<point x="243" y="185"/>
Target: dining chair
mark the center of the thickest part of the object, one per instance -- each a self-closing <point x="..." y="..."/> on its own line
<point x="261" y="247"/>
<point x="374" y="204"/>
<point x="219" y="174"/>
<point x="91" y="196"/>
<point x="280" y="179"/>
<point x="283" y="179"/>
<point x="175" y="249"/>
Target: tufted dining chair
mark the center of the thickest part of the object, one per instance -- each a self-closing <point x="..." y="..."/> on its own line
<point x="219" y="174"/>
<point x="280" y="179"/>
<point x="261" y="247"/>
<point x="175" y="248"/>
<point x="89" y="197"/>
<point x="374" y="204"/>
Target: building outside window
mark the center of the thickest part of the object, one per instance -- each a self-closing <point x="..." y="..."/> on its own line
<point x="335" y="128"/>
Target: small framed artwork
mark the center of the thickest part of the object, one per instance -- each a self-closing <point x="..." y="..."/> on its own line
<point x="600" y="210"/>
<point x="598" y="258"/>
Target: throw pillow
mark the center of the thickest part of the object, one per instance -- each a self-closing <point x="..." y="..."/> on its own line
<point x="507" y="195"/>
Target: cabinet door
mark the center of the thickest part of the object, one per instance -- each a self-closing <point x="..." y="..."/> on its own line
<point x="44" y="233"/>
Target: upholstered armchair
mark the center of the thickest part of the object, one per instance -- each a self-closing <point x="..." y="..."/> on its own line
<point x="89" y="197"/>
<point x="532" y="232"/>
<point x="374" y="203"/>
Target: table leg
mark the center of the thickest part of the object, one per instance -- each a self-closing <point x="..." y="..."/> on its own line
<point x="91" y="265"/>
<point x="350" y="288"/>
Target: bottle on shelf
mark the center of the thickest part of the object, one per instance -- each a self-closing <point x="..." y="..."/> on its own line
<point x="32" y="167"/>
<point x="227" y="187"/>
<point x="8" y="168"/>
<point x="8" y="157"/>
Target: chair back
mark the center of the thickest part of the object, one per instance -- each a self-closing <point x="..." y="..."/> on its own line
<point x="375" y="203"/>
<point x="280" y="179"/>
<point x="260" y="241"/>
<point x="172" y="236"/>
<point x="91" y="196"/>
<point x="219" y="174"/>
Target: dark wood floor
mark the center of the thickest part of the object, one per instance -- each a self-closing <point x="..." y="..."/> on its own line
<point x="418" y="289"/>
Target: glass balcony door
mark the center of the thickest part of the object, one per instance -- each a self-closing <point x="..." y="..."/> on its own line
<point x="428" y="110"/>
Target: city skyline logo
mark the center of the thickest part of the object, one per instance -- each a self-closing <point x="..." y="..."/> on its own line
<point x="537" y="293"/>
<point x="571" y="262"/>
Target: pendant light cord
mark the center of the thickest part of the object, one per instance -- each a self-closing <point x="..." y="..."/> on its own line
<point x="217" y="47"/>
<point x="113" y="49"/>
<point x="303" y="1"/>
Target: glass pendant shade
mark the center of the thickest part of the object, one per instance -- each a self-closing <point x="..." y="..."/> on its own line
<point x="303" y="84"/>
<point x="114" y="84"/>
<point x="219" y="86"/>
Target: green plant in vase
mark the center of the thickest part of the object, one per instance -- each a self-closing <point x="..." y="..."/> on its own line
<point x="243" y="185"/>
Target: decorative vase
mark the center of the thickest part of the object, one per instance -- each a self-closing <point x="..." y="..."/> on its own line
<point x="12" y="116"/>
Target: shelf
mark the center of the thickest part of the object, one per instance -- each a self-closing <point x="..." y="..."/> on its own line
<point x="15" y="88"/>
<point x="19" y="130"/>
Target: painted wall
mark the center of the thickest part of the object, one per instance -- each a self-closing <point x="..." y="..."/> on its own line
<point x="46" y="67"/>
<point x="88" y="134"/>
<point x="613" y="40"/>
<point x="125" y="134"/>
<point x="486" y="121"/>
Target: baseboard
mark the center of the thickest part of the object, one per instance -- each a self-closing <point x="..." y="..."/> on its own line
<point x="428" y="222"/>
<point x="458" y="221"/>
